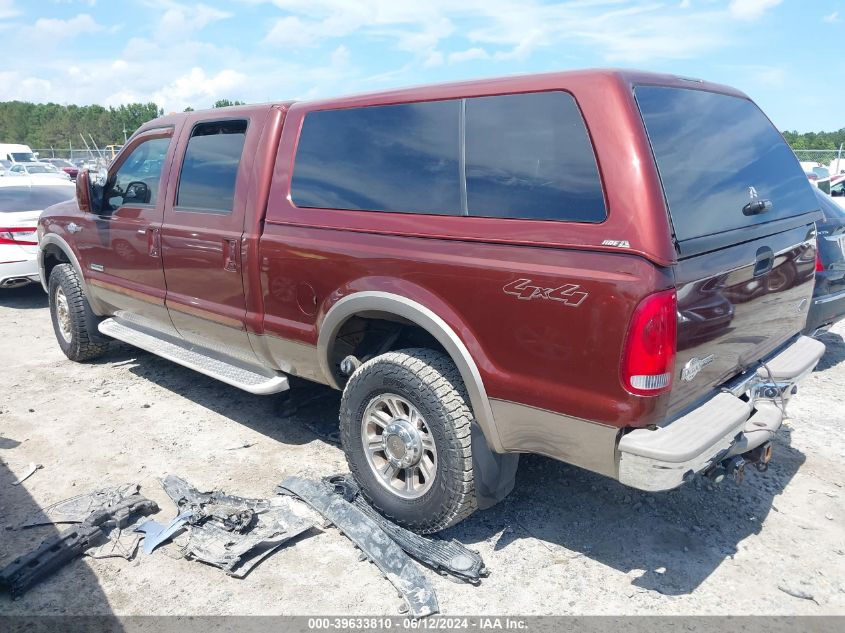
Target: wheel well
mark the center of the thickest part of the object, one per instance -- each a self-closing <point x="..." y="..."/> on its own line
<point x="53" y="256"/>
<point x="369" y="334"/>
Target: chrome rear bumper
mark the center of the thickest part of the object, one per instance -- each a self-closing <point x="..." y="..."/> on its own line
<point x="745" y="414"/>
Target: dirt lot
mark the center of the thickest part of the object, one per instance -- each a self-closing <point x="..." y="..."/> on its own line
<point x="564" y="542"/>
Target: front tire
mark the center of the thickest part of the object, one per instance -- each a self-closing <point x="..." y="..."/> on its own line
<point x="405" y="426"/>
<point x="74" y="323"/>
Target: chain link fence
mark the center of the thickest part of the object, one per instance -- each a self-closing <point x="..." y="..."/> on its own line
<point x="90" y="157"/>
<point x="833" y="159"/>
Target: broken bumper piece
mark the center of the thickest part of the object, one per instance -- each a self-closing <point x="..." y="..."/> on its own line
<point x="376" y="545"/>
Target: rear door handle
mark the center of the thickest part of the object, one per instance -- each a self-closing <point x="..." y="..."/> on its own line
<point x="154" y="242"/>
<point x="230" y="255"/>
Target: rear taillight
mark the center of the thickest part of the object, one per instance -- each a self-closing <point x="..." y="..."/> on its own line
<point x="24" y="236"/>
<point x="819" y="262"/>
<point x="648" y="359"/>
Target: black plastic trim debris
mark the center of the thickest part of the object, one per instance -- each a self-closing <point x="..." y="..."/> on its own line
<point x="376" y="545"/>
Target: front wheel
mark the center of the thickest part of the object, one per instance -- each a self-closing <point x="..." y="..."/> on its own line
<point x="405" y="425"/>
<point x="74" y="322"/>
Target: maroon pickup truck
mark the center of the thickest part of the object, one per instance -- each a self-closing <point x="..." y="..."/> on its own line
<point x="608" y="268"/>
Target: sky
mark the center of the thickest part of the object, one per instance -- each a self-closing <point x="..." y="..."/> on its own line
<point x="786" y="54"/>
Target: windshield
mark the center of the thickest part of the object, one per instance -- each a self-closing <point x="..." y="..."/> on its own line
<point x="22" y="157"/>
<point x="719" y="159"/>
<point x="34" y="198"/>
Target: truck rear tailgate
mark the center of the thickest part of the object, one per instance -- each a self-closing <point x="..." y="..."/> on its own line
<point x="743" y="215"/>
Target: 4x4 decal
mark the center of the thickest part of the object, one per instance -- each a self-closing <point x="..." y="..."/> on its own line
<point x="568" y="294"/>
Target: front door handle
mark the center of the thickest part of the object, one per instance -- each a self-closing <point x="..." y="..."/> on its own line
<point x="230" y="255"/>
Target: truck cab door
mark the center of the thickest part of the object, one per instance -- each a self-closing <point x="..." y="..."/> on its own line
<point x="201" y="237"/>
<point x="119" y="241"/>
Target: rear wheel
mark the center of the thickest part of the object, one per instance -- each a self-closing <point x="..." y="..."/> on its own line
<point x="405" y="426"/>
<point x="74" y="323"/>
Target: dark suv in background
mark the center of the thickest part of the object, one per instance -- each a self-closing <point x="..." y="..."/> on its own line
<point x="828" y="304"/>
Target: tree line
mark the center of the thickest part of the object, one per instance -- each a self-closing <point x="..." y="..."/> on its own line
<point x="51" y="125"/>
<point x="815" y="140"/>
<point x="46" y="125"/>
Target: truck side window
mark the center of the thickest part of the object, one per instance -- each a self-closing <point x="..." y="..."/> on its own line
<point x="210" y="169"/>
<point x="401" y="158"/>
<point x="138" y="178"/>
<point x="529" y="156"/>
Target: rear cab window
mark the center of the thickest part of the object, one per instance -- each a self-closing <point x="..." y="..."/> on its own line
<point x="210" y="167"/>
<point x="528" y="156"/>
<point x="716" y="154"/>
<point x="520" y="156"/>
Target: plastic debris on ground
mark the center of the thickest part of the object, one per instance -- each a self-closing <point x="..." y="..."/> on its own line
<point x="376" y="545"/>
<point x="56" y="552"/>
<point x="450" y="558"/>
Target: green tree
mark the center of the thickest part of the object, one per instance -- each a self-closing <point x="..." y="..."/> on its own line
<point x="225" y="103"/>
<point x="50" y="125"/>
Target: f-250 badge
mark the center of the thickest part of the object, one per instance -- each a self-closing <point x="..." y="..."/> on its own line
<point x="568" y="294"/>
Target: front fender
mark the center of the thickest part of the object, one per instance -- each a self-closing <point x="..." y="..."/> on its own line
<point x="51" y="241"/>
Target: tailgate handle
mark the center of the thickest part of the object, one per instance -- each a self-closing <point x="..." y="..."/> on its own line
<point x="764" y="261"/>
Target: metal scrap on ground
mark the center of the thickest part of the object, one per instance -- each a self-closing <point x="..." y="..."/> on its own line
<point x="156" y="533"/>
<point x="29" y="473"/>
<point x="78" y="508"/>
<point x="376" y="545"/>
<point x="233" y="533"/>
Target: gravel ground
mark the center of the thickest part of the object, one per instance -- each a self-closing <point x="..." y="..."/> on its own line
<point x="564" y="542"/>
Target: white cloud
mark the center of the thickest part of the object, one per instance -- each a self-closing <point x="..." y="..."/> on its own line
<point x="833" y="17"/>
<point x="468" y="54"/>
<point x="434" y="58"/>
<point x="52" y="29"/>
<point x="751" y="9"/>
<point x="181" y="21"/>
<point x="290" y="31"/>
<point x="7" y="9"/>
<point x="197" y="87"/>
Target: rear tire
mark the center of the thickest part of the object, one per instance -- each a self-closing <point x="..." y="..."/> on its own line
<point x="405" y="426"/>
<point x="74" y="323"/>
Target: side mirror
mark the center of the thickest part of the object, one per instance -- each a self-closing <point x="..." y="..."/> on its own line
<point x="83" y="191"/>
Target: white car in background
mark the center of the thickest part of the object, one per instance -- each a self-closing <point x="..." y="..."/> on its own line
<point x="22" y="200"/>
<point x="817" y="174"/>
<point x="37" y="170"/>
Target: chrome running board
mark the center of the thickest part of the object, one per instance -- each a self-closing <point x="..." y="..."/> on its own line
<point x="252" y="379"/>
